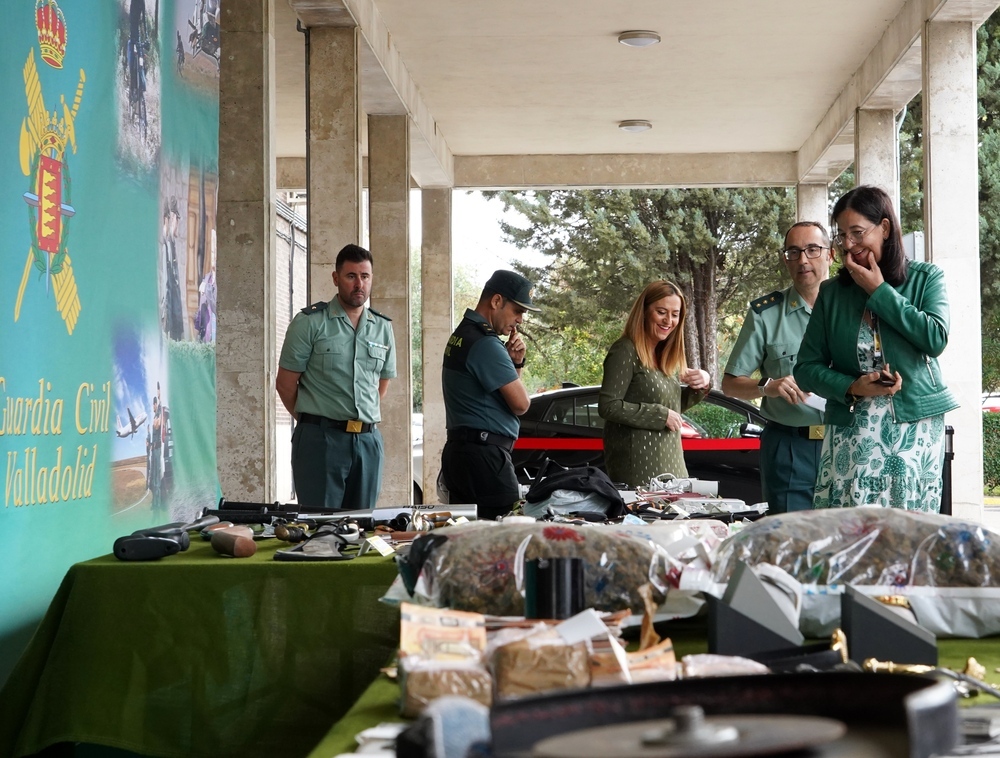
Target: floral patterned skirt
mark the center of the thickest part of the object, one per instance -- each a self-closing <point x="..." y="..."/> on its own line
<point x="879" y="462"/>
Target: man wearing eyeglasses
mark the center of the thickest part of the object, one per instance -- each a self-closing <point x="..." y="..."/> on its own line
<point x="769" y="342"/>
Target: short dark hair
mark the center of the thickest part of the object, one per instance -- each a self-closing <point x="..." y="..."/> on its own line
<point x="817" y="224"/>
<point x="354" y="254"/>
<point x="875" y="204"/>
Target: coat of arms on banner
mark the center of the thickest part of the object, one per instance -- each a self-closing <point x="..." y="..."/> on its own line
<point x="45" y="138"/>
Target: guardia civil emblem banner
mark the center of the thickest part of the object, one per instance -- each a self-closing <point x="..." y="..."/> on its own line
<point x="108" y="193"/>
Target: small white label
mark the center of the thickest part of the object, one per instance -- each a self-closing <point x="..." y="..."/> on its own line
<point x="383" y="547"/>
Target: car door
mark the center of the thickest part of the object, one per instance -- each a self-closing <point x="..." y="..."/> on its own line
<point x="729" y="449"/>
<point x="566" y="429"/>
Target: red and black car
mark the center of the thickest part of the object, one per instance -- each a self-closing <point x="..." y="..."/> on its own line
<point x="721" y="438"/>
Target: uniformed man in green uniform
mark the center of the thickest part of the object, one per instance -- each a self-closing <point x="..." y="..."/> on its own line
<point x="335" y="367"/>
<point x="484" y="395"/>
<point x="769" y="341"/>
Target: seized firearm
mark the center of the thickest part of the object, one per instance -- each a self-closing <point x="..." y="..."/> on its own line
<point x="159" y="541"/>
<point x="265" y="513"/>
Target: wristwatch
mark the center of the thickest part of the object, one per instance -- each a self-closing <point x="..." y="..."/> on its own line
<point x="519" y="365"/>
<point x="764" y="381"/>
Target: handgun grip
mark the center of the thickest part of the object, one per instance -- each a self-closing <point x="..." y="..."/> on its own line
<point x="144" y="547"/>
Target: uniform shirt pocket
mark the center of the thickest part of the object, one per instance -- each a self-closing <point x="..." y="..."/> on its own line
<point x="327" y="353"/>
<point x="376" y="356"/>
<point x="780" y="358"/>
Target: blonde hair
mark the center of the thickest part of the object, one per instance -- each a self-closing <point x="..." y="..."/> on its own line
<point x="666" y="356"/>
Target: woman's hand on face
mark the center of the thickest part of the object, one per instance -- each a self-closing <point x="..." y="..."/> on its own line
<point x="674" y="421"/>
<point x="868" y="276"/>
<point x="696" y="378"/>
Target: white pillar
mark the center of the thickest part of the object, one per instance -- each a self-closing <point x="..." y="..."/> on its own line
<point x="876" y="160"/>
<point x="812" y="203"/>
<point x="389" y="225"/>
<point x="437" y="317"/>
<point x="951" y="220"/>
<point x="245" y="342"/>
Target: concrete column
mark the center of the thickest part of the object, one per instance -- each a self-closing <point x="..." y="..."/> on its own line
<point x="876" y="153"/>
<point x="333" y="151"/>
<point x="245" y="342"/>
<point x="437" y="322"/>
<point x="389" y="225"/>
<point x="813" y="203"/>
<point x="951" y="224"/>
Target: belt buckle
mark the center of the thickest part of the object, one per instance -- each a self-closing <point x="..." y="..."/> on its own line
<point x="816" y="431"/>
<point x="354" y="426"/>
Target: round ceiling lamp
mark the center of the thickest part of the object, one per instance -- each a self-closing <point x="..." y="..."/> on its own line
<point x="639" y="38"/>
<point x="634" y="125"/>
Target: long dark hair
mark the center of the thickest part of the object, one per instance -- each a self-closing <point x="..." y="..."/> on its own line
<point x="875" y="204"/>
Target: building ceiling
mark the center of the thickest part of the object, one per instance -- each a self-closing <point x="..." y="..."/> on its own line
<point x="529" y="78"/>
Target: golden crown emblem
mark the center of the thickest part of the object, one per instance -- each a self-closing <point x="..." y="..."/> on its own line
<point x="51" y="25"/>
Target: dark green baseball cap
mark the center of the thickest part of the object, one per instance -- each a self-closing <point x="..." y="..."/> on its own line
<point x="512" y="286"/>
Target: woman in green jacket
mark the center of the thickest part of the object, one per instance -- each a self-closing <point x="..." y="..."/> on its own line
<point x="871" y="350"/>
<point x="641" y="397"/>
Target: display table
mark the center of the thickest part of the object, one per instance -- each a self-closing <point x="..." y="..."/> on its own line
<point x="201" y="655"/>
<point x="380" y="702"/>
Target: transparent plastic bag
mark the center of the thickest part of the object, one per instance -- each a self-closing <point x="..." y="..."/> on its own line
<point x="868" y="546"/>
<point x="476" y="566"/>
<point x="423" y="680"/>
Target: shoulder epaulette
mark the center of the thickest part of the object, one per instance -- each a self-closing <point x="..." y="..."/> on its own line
<point x="381" y="315"/>
<point x="487" y="329"/>
<point x="763" y="303"/>
<point x="314" y="308"/>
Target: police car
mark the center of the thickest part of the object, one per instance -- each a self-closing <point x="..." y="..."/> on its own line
<point x="721" y="438"/>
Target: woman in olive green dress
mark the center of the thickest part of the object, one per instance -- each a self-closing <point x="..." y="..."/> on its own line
<point x="642" y="397"/>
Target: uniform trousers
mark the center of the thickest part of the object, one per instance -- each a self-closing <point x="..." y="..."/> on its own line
<point x="332" y="468"/>
<point x="789" y="464"/>
<point x="480" y="474"/>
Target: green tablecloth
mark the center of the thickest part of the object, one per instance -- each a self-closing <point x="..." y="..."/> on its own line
<point x="380" y="702"/>
<point x="201" y="655"/>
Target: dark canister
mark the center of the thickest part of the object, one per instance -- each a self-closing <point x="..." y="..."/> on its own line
<point x="553" y="588"/>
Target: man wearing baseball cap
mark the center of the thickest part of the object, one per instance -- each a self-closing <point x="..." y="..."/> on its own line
<point x="484" y="395"/>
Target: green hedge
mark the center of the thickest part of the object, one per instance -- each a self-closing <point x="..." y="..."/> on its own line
<point x="991" y="451"/>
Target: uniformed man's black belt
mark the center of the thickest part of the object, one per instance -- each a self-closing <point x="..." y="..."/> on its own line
<point x="355" y="427"/>
<point x="814" y="432"/>
<point x="480" y="438"/>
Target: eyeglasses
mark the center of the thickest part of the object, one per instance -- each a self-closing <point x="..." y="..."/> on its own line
<point x="811" y="251"/>
<point x="854" y="238"/>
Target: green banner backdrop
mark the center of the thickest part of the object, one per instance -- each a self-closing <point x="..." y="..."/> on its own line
<point x="108" y="190"/>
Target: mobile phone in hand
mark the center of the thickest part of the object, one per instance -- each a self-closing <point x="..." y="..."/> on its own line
<point x="886" y="381"/>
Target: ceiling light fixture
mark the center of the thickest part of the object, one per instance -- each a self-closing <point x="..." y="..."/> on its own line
<point x="634" y="125"/>
<point x="639" y="38"/>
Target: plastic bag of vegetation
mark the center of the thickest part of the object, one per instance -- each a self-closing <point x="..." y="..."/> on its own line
<point x="477" y="566"/>
<point x="868" y="546"/>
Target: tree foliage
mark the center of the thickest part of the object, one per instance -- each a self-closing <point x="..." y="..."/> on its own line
<point x="988" y="40"/>
<point x="603" y="246"/>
